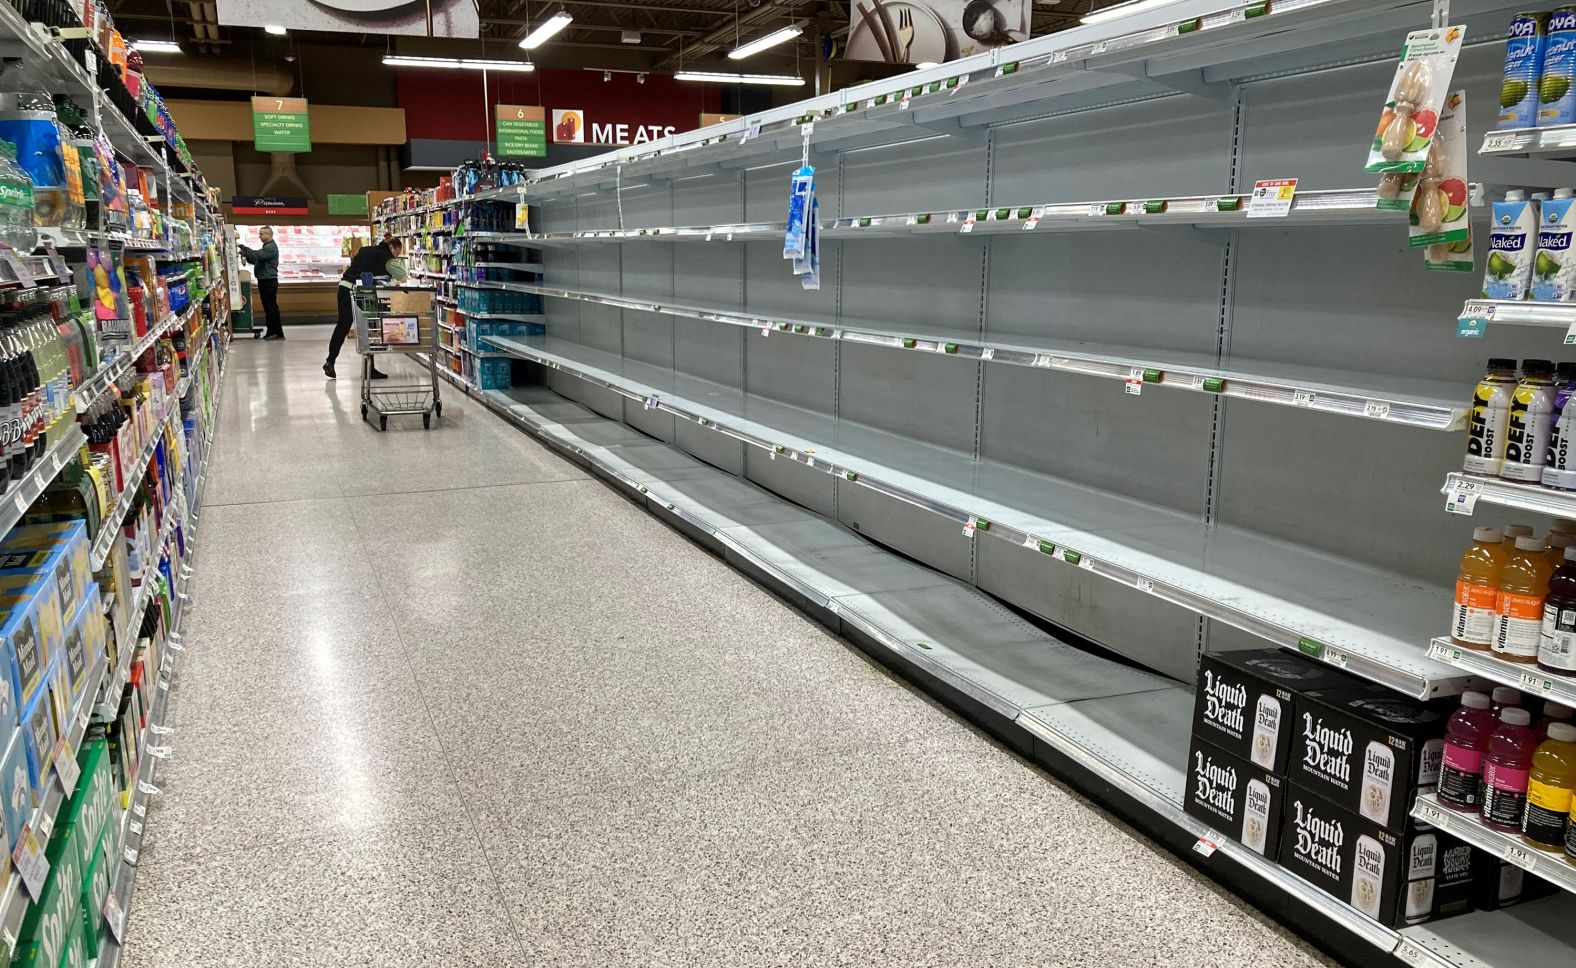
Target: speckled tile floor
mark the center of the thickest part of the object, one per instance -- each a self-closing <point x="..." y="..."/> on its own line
<point x="434" y="713"/>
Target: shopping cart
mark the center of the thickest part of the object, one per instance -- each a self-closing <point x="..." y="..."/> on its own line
<point x="397" y="319"/>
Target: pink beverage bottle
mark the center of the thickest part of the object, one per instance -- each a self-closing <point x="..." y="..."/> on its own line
<point x="1466" y="738"/>
<point x="1553" y="712"/>
<point x="1506" y="766"/>
<point x="1504" y="696"/>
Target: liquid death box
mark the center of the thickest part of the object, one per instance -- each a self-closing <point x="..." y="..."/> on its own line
<point x="1367" y="750"/>
<point x="1396" y="878"/>
<point x="1244" y="702"/>
<point x="1235" y="797"/>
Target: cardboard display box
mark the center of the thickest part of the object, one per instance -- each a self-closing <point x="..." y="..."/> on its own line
<point x="1235" y="797"/>
<point x="1244" y="703"/>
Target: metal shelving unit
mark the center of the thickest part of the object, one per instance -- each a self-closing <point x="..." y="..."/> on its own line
<point x="1552" y="867"/>
<point x="105" y="539"/>
<point x="1486" y="665"/>
<point x="21" y="494"/>
<point x="1218" y="572"/>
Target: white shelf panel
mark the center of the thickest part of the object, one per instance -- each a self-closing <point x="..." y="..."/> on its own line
<point x="1429" y="404"/>
<point x="1525" y="312"/>
<point x="1550" y="866"/>
<point x="1486" y="665"/>
<point x="1280" y="591"/>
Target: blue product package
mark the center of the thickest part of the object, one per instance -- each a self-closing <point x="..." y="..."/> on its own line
<point x="1553" y="268"/>
<point x="1556" y="99"/>
<point x="799" y="192"/>
<point x="39" y="734"/>
<point x="1511" y="240"/>
<point x="16" y="788"/>
<point x="1518" y="92"/>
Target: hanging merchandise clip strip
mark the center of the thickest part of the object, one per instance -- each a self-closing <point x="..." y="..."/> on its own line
<point x="800" y="189"/>
<point x="812" y="277"/>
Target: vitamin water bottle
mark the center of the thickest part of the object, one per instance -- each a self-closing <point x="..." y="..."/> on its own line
<point x="1523" y="585"/>
<point x="1507" y="764"/>
<point x="1466" y="739"/>
<point x="1477" y="590"/>
<point x="1549" y="789"/>
<point x="1557" y="643"/>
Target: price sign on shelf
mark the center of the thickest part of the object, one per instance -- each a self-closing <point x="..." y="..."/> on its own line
<point x="1499" y="141"/>
<point x="1429" y="813"/>
<point x="1462" y="496"/>
<point x="1530" y="682"/>
<point x="1410" y="952"/>
<point x="115" y="917"/>
<point x="1474" y="319"/>
<point x="1272" y="198"/>
<point x="1523" y="857"/>
<point x="1135" y="381"/>
<point x="1377" y="409"/>
<point x="29" y="860"/>
<point x="1209" y="843"/>
<point x="1442" y="652"/>
<point x="66" y="768"/>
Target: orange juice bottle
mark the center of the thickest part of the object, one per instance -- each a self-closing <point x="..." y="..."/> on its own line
<point x="1523" y="584"/>
<point x="1549" y="789"/>
<point x="1476" y="611"/>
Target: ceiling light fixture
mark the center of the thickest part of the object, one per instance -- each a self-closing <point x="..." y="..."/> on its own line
<point x="925" y="65"/>
<point x="546" y="30"/>
<point x="715" y="77"/>
<point x="1125" y="10"/>
<point x="274" y="29"/>
<point x="763" y="43"/>
<point x="456" y="63"/>
<point x="157" y="46"/>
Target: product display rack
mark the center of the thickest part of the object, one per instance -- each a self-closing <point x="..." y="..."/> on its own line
<point x="1552" y="867"/>
<point x="1326" y="310"/>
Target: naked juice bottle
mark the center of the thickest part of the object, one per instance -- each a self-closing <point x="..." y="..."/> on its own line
<point x="1476" y="609"/>
<point x="1523" y="585"/>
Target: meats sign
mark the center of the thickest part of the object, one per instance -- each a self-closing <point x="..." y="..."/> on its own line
<point x="571" y="126"/>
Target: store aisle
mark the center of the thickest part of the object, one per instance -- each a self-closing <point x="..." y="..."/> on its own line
<point x="448" y="701"/>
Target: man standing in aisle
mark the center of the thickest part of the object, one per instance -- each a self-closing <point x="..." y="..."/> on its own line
<point x="382" y="259"/>
<point x="265" y="268"/>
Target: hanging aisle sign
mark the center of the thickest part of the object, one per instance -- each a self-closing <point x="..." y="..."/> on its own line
<point x="281" y="124"/>
<point x="522" y="131"/>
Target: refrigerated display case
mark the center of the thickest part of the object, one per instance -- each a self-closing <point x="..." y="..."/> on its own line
<point x="309" y="253"/>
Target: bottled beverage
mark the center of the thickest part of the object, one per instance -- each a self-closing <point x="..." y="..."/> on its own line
<point x="1553" y="712"/>
<point x="1557" y="641"/>
<point x="1531" y="423"/>
<point x="1503" y="697"/>
<point x="1507" y="763"/>
<point x="1514" y="531"/>
<point x="1559" y="461"/>
<point x="1488" y="424"/>
<point x="1523" y="585"/>
<point x="1466" y="739"/>
<point x="1549" y="789"/>
<point x="16" y="201"/>
<point x="1557" y="544"/>
<point x="1477" y="590"/>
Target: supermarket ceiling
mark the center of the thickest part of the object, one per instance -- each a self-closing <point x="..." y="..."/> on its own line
<point x="662" y="33"/>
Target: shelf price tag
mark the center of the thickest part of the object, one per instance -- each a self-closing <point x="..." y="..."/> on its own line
<point x="1135" y="381"/>
<point x="1303" y="398"/>
<point x="968" y="224"/>
<point x="1570" y="335"/>
<point x="66" y="768"/>
<point x="1521" y="856"/>
<point x="1411" y="953"/>
<point x="1474" y="319"/>
<point x="1499" y="141"/>
<point x="1442" y="652"/>
<point x="968" y="529"/>
<point x="1376" y="409"/>
<point x="1463" y="496"/>
<point x="1531" y="682"/>
<point x="1209" y="843"/>
<point x="19" y="269"/>
<point x="29" y="860"/>
<point x="1335" y="657"/>
<point x="1429" y="813"/>
<point x="1272" y="198"/>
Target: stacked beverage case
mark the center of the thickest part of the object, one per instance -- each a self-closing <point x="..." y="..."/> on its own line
<point x="1318" y="770"/>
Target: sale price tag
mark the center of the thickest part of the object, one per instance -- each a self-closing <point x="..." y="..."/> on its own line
<point x="1209" y="843"/>
<point x="66" y="769"/>
<point x="1135" y="381"/>
<point x="1272" y="198"/>
<point x="29" y="860"/>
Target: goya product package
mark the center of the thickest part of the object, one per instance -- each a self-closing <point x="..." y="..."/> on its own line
<point x="1417" y="94"/>
<point x="1238" y="798"/>
<point x="1367" y="750"/>
<point x="1244" y="701"/>
<point x="1518" y="92"/>
<point x="1398" y="878"/>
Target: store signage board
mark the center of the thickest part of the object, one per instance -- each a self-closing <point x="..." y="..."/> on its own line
<point x="522" y="131"/>
<point x="267" y="205"/>
<point x="348" y="205"/>
<point x="1272" y="198"/>
<point x="281" y="124"/>
<point x="571" y="126"/>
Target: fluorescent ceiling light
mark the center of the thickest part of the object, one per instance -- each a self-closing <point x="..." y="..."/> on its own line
<point x="546" y="30"/>
<point x="762" y="43"/>
<point x="925" y="65"/>
<point x="274" y="29"/>
<point x="1125" y="9"/>
<point x="456" y="63"/>
<point x="719" y="78"/>
<point x="157" y="46"/>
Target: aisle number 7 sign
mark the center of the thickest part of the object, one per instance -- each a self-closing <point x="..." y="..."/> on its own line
<point x="1272" y="198"/>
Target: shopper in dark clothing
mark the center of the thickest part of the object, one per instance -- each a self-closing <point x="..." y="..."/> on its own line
<point x="382" y="259"/>
<point x="265" y="268"/>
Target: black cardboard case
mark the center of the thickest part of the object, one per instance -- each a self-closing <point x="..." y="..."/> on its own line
<point x="1244" y="702"/>
<point x="1235" y="797"/>
<point x="1397" y="878"/>
<point x="1367" y="750"/>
